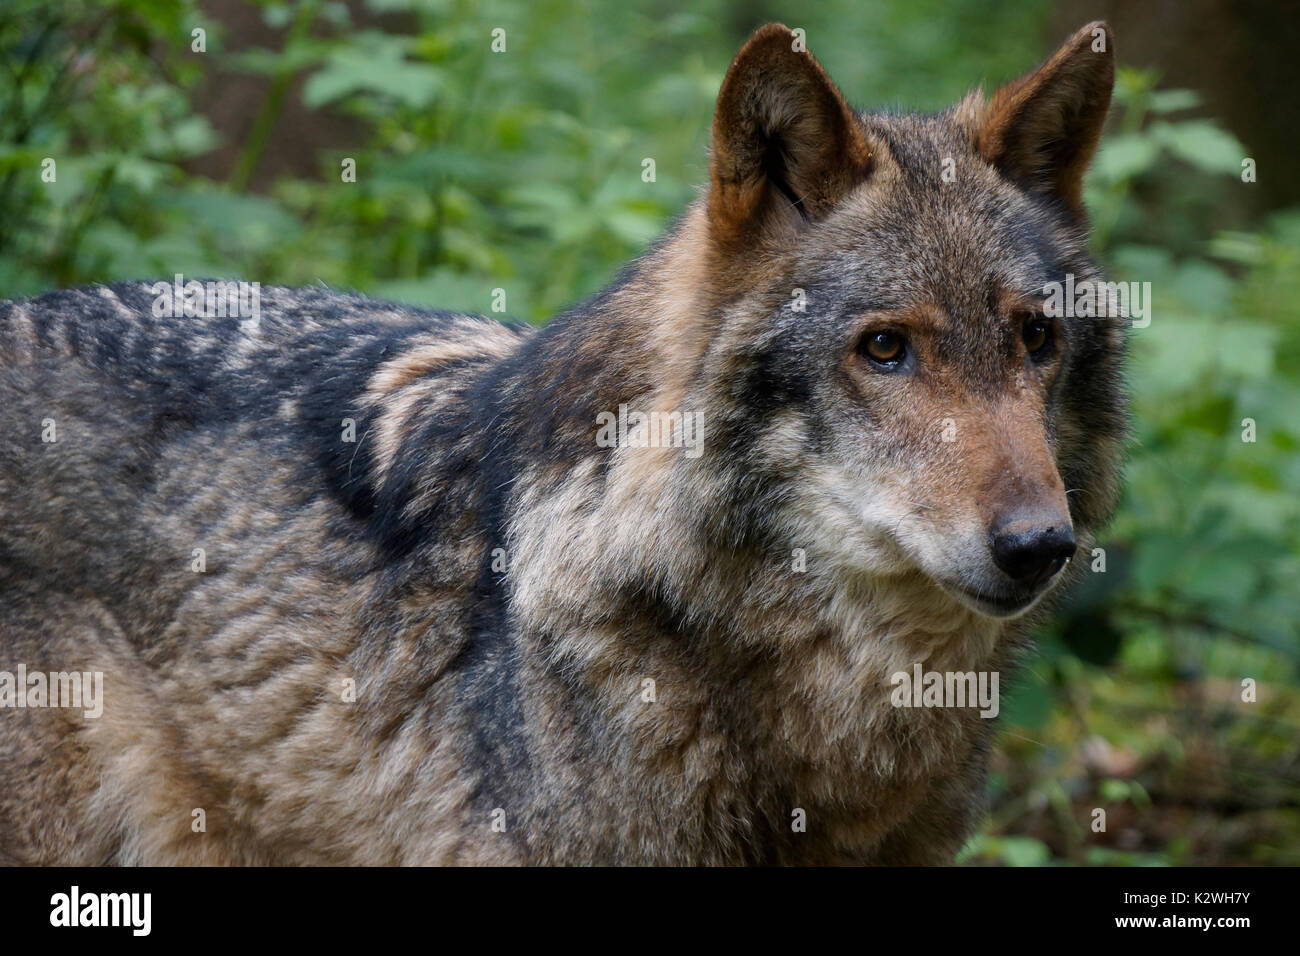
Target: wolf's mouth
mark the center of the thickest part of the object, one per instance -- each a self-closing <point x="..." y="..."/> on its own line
<point x="996" y="605"/>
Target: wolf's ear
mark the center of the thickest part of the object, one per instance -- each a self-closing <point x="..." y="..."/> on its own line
<point x="782" y="137"/>
<point x="1042" y="129"/>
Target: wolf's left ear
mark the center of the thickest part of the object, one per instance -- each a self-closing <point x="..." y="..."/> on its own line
<point x="1042" y="129"/>
<point x="784" y="140"/>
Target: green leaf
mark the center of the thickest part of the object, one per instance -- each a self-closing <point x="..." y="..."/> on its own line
<point x="441" y="289"/>
<point x="1205" y="145"/>
<point x="1113" y="791"/>
<point x="1173" y="101"/>
<point x="633" y="226"/>
<point x="1160" y="559"/>
<point x="375" y="63"/>
<point x="193" y="135"/>
<point x="1124" y="157"/>
<point x="1219" y="581"/>
<point x="1028" y="702"/>
<point x="1023" y="851"/>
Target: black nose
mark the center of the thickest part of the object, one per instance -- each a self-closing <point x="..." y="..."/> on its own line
<point x="1032" y="548"/>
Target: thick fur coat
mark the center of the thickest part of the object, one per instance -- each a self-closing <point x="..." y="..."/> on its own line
<point x="365" y="587"/>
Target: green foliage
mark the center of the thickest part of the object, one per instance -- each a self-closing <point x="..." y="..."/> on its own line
<point x="523" y="170"/>
<point x="520" y="170"/>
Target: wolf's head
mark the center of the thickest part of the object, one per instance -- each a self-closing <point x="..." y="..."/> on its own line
<point x="891" y="384"/>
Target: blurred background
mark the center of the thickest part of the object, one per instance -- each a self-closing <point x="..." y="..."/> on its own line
<point x="220" y="154"/>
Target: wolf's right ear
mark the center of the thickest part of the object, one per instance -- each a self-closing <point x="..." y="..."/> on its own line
<point x="783" y="138"/>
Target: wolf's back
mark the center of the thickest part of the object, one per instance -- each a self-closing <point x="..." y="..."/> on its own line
<point x="122" y="420"/>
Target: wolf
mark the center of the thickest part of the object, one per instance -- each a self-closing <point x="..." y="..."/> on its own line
<point x="364" y="587"/>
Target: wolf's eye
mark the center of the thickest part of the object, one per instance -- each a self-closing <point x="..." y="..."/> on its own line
<point x="883" y="348"/>
<point x="1038" y="336"/>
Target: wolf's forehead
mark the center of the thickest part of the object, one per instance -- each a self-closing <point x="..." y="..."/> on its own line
<point x="955" y="253"/>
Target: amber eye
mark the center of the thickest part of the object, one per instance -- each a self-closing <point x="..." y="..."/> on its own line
<point x="883" y="348"/>
<point x="1037" y="335"/>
